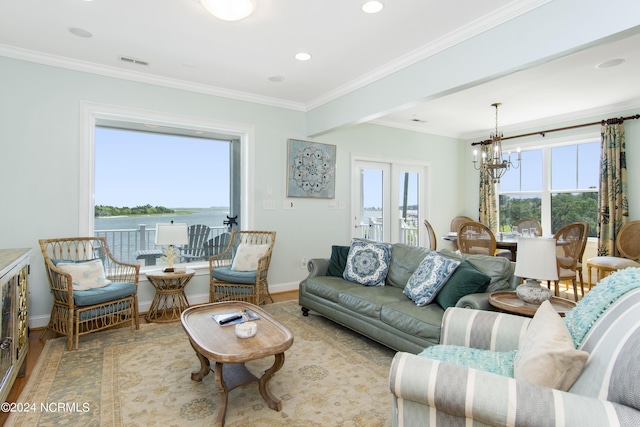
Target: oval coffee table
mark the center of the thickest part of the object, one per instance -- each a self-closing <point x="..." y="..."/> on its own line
<point x="221" y="345"/>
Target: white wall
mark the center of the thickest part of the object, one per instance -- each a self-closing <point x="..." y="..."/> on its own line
<point x="40" y="138"/>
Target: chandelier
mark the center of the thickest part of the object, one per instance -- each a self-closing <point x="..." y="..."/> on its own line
<point x="229" y="10"/>
<point x="496" y="166"/>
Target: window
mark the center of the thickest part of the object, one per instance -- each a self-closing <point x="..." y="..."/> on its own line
<point x="147" y="177"/>
<point x="240" y="138"/>
<point x="555" y="184"/>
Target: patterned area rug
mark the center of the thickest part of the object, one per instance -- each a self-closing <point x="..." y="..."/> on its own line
<point x="331" y="377"/>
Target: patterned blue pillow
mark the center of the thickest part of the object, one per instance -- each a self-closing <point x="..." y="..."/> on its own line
<point x="367" y="262"/>
<point x="430" y="276"/>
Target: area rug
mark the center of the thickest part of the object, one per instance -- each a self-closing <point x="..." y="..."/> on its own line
<point x="331" y="377"/>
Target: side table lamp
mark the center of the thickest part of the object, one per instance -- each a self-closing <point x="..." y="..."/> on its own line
<point x="536" y="261"/>
<point x="171" y="234"/>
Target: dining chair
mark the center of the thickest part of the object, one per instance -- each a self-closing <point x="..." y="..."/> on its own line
<point x="628" y="245"/>
<point x="433" y="244"/>
<point x="456" y="222"/>
<point x="571" y="241"/>
<point x="528" y="224"/>
<point x="476" y="238"/>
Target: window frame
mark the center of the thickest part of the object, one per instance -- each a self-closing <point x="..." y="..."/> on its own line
<point x="546" y="192"/>
<point x="92" y="113"/>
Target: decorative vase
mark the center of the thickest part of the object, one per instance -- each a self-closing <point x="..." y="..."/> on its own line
<point x="532" y="292"/>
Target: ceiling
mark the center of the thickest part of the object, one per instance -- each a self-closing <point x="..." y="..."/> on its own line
<point x="177" y="43"/>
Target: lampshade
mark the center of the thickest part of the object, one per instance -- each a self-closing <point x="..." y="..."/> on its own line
<point x="229" y="10"/>
<point x="172" y="234"/>
<point x="537" y="258"/>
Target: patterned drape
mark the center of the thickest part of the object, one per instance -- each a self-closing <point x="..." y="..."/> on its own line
<point x="613" y="205"/>
<point x="488" y="207"/>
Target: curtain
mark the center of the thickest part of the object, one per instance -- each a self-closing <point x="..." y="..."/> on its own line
<point x="488" y="207"/>
<point x="613" y="206"/>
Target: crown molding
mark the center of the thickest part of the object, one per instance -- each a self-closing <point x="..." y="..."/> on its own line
<point x="108" y="71"/>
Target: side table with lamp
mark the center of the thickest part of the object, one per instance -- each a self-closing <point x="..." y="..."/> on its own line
<point x="170" y="299"/>
<point x="536" y="262"/>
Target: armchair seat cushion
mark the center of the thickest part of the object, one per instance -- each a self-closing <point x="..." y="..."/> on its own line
<point x="227" y="274"/>
<point x="113" y="291"/>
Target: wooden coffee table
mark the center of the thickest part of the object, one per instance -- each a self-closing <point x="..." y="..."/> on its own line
<point x="221" y="345"/>
<point x="509" y="302"/>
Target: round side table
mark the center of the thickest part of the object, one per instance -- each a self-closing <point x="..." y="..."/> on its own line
<point x="509" y="302"/>
<point x="170" y="300"/>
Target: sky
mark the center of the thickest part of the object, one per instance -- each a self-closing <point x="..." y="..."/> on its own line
<point x="139" y="168"/>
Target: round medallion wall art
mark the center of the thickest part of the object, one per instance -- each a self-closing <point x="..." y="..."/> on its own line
<point x="311" y="169"/>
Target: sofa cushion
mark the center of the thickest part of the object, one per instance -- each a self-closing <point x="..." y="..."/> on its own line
<point x="338" y="260"/>
<point x="368" y="301"/>
<point x="404" y="261"/>
<point x="226" y="274"/>
<point x="85" y="275"/>
<point x="546" y="355"/>
<point x="112" y="291"/>
<point x="500" y="269"/>
<point x="423" y="322"/>
<point x="464" y="281"/>
<point x="429" y="277"/>
<point x="328" y="287"/>
<point x="367" y="262"/>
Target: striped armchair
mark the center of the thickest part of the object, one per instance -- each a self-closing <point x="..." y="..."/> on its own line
<point x="480" y="390"/>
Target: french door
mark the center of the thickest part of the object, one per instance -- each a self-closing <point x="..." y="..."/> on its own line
<point x="388" y="202"/>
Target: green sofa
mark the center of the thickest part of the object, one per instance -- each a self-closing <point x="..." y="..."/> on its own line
<point x="384" y="313"/>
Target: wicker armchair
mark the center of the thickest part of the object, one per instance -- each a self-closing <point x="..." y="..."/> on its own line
<point x="80" y="312"/>
<point x="229" y="283"/>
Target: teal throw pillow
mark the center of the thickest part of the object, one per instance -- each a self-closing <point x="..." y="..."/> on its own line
<point x="338" y="260"/>
<point x="368" y="262"/>
<point x="430" y="276"/>
<point x="464" y="281"/>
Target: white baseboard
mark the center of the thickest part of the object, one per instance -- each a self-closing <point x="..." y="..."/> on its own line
<point x="143" y="306"/>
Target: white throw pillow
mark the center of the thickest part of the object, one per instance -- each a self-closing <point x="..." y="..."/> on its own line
<point x="85" y="275"/>
<point x="247" y="257"/>
<point x="546" y="355"/>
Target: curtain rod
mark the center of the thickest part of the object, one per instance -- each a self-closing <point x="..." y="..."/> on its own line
<point x="612" y="121"/>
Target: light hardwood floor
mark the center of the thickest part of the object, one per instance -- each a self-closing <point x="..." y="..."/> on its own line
<point x="36" y="345"/>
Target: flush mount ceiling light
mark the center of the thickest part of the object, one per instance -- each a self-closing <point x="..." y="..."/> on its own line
<point x="229" y="10"/>
<point x="80" y="32"/>
<point x="303" y="56"/>
<point x="372" y="7"/>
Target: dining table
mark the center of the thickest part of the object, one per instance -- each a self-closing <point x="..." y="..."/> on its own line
<point x="507" y="241"/>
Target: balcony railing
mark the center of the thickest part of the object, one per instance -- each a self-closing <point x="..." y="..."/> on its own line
<point x="408" y="231"/>
<point x="124" y="243"/>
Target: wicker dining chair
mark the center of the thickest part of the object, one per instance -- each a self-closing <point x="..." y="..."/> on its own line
<point x="571" y="241"/>
<point x="528" y="224"/>
<point x="230" y="280"/>
<point x="456" y="222"/>
<point x="628" y="245"/>
<point x="476" y="238"/>
<point x="431" y="234"/>
<point x="78" y="311"/>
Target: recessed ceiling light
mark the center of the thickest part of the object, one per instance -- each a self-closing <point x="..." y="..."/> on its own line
<point x="276" y="79"/>
<point x="303" y="56"/>
<point x="610" y="63"/>
<point x="372" y="7"/>
<point x="80" y="32"/>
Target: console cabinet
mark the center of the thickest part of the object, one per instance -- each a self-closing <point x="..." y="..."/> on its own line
<point x="14" y="319"/>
